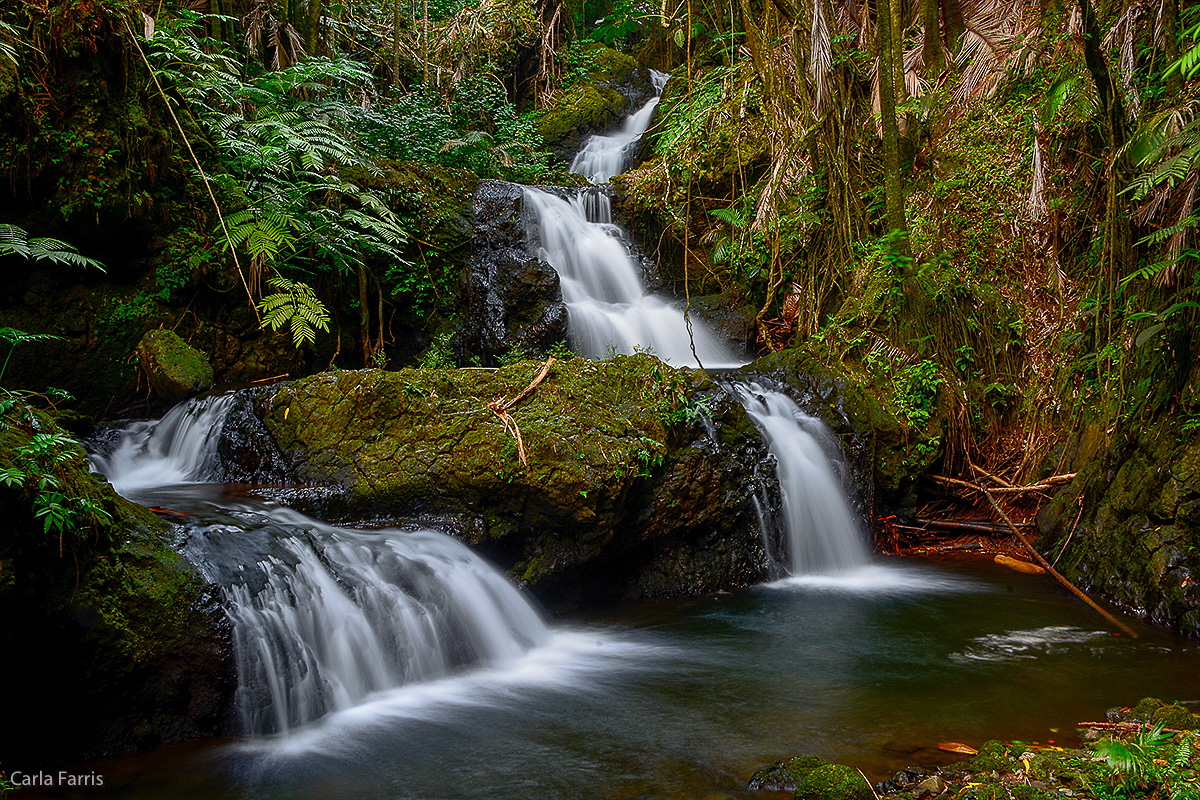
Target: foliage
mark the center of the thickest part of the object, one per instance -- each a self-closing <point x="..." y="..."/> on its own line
<point x="297" y="306"/>
<point x="1149" y="763"/>
<point x="35" y="466"/>
<point x="14" y="241"/>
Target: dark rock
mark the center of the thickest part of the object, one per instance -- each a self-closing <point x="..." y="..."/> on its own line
<point x="122" y="642"/>
<point x="784" y="775"/>
<point x="930" y="787"/>
<point x="512" y="301"/>
<point x="174" y="368"/>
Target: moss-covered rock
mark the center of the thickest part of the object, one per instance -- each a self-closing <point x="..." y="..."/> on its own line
<point x="1168" y="715"/>
<point x="993" y="756"/>
<point x="623" y="492"/>
<point x="1137" y="503"/>
<point x="834" y="782"/>
<point x="173" y="367"/>
<point x="114" y="639"/>
<point x="784" y="775"/>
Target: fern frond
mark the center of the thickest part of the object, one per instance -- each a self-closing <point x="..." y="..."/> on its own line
<point x="296" y="305"/>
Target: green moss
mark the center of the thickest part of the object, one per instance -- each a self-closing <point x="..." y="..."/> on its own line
<point x="834" y="782"/>
<point x="174" y="368"/>
<point x="785" y="775"/>
<point x="993" y="756"/>
<point x="586" y="105"/>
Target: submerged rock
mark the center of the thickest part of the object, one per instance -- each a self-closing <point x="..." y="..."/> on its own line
<point x="624" y="491"/>
<point x="174" y="368"/>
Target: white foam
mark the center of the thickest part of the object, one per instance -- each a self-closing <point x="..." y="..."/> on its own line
<point x="1024" y="644"/>
<point x="877" y="579"/>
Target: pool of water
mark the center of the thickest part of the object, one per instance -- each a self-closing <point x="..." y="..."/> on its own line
<point x="685" y="699"/>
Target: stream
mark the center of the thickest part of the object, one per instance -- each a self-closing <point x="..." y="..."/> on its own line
<point x="396" y="663"/>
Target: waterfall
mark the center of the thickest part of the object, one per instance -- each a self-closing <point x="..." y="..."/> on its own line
<point x="823" y="535"/>
<point x="609" y="308"/>
<point x="602" y="157"/>
<point x="323" y="617"/>
<point x="179" y="448"/>
<point x="335" y="615"/>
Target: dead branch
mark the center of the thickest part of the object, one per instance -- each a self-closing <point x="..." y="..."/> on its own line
<point x="1110" y="726"/>
<point x="500" y="407"/>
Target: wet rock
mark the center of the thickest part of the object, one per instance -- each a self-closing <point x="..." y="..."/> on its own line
<point x="930" y="787"/>
<point x="784" y="775"/>
<point x="174" y="368"/>
<point x="834" y="782"/>
<point x="512" y="301"/>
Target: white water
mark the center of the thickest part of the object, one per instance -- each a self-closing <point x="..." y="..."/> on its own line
<point x="610" y="310"/>
<point x="325" y="617"/>
<point x="602" y="157"/>
<point x="346" y="614"/>
<point x="179" y="448"/>
<point x="823" y="534"/>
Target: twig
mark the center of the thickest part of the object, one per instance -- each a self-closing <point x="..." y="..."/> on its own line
<point x="987" y="474"/>
<point x="1078" y="517"/>
<point x="500" y="408"/>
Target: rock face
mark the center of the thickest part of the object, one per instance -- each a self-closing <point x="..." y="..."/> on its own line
<point x="625" y="491"/>
<point x="1137" y="540"/>
<point x="512" y="300"/>
<point x="174" y="368"/>
<point x="121" y="643"/>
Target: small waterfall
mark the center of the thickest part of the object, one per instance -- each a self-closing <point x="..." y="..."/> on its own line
<point x="823" y="535"/>
<point x="609" y="307"/>
<point x="322" y="616"/>
<point x="602" y="157"/>
<point x="182" y="447"/>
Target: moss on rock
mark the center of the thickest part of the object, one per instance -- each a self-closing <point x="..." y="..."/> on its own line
<point x="834" y="782"/>
<point x="173" y="367"/>
<point x="784" y="775"/>
<point x="621" y="488"/>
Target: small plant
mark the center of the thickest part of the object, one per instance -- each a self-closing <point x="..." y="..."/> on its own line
<point x="515" y="355"/>
<point x="438" y="354"/>
<point x="296" y="305"/>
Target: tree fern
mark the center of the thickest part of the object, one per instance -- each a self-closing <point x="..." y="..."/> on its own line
<point x="296" y="305"/>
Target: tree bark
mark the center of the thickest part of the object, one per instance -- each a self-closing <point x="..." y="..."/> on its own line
<point x="893" y="181"/>
<point x="1171" y="35"/>
<point x="396" y="42"/>
<point x="932" y="53"/>
<point x="312" y="28"/>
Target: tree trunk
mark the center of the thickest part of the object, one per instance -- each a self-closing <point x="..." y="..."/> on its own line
<point x="312" y="28"/>
<point x="932" y="53"/>
<point x="1171" y="46"/>
<point x="396" y="42"/>
<point x="893" y="181"/>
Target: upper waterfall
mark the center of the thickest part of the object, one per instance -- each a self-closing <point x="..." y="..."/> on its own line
<point x="823" y="535"/>
<point x="602" y="157"/>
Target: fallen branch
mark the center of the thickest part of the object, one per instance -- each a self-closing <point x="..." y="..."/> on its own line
<point x="1075" y="590"/>
<point x="500" y="408"/>
<point x="960" y="525"/>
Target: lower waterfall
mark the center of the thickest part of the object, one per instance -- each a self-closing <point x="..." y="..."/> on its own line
<point x="322" y="616"/>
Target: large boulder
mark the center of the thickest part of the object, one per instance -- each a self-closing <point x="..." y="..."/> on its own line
<point x="624" y="490"/>
<point x="114" y="640"/>
<point x="174" y="368"/>
<point x="512" y="301"/>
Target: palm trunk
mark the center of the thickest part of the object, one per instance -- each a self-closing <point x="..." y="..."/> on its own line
<point x="1171" y="45"/>
<point x="396" y="42"/>
<point x="893" y="181"/>
<point x="932" y="53"/>
<point x="312" y="28"/>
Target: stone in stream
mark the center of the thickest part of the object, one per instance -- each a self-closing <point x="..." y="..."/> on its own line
<point x="834" y="782"/>
<point x="784" y="775"/>
<point x="174" y="368"/>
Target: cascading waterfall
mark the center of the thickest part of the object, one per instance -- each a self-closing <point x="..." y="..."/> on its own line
<point x="323" y="616"/>
<point x="609" y="307"/>
<point x="823" y="535"/>
<point x="603" y="157"/>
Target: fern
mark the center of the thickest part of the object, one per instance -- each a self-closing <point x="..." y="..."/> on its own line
<point x="296" y="305"/>
<point x="14" y="241"/>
